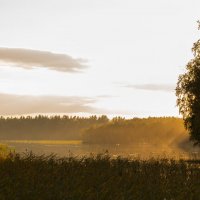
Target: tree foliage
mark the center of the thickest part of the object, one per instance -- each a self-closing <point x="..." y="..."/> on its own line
<point x="44" y="127"/>
<point x="156" y="131"/>
<point x="93" y="129"/>
<point x="188" y="94"/>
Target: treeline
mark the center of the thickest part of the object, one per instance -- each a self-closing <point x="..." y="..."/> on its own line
<point x="162" y="130"/>
<point x="93" y="129"/>
<point x="44" y="127"/>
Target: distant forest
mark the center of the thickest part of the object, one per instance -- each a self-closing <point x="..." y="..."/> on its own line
<point x="44" y="127"/>
<point x="93" y="129"/>
<point x="160" y="130"/>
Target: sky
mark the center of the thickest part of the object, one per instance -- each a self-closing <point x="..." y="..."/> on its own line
<point x="86" y="57"/>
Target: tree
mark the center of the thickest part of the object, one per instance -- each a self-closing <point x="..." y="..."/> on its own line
<point x="188" y="94"/>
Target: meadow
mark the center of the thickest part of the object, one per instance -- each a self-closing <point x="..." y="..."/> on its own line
<point x="62" y="167"/>
<point x="97" y="177"/>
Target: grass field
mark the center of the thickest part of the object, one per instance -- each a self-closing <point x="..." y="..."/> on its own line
<point x="27" y="176"/>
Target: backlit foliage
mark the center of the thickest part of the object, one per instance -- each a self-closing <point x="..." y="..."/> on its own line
<point x="158" y="130"/>
<point x="188" y="94"/>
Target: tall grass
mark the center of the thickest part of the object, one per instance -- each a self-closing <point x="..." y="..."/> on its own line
<point x="32" y="177"/>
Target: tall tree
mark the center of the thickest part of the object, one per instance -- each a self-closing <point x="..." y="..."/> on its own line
<point x="188" y="94"/>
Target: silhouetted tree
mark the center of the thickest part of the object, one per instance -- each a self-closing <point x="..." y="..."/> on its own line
<point x="188" y="94"/>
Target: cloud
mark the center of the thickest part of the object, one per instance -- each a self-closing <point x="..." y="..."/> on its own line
<point x="11" y="104"/>
<point x="29" y="59"/>
<point x="153" y="87"/>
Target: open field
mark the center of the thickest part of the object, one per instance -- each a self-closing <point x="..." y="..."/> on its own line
<point x="144" y="159"/>
<point x="78" y="148"/>
<point x="31" y="177"/>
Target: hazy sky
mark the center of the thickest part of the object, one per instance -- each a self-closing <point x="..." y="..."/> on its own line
<point x="114" y="57"/>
